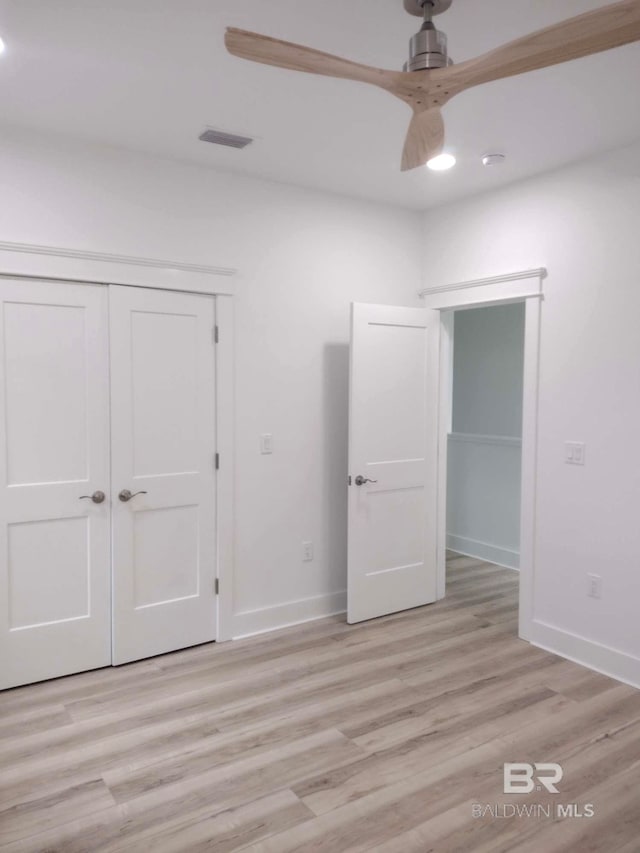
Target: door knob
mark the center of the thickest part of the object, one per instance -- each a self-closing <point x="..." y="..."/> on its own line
<point x="360" y="480"/>
<point x="96" y="497"/>
<point x="125" y="495"/>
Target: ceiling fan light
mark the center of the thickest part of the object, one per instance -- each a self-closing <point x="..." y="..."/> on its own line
<point x="441" y="163"/>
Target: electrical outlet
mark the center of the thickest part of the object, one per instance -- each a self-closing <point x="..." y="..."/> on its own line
<point x="574" y="453"/>
<point x="307" y="551"/>
<point x="266" y="443"/>
<point x="594" y="586"/>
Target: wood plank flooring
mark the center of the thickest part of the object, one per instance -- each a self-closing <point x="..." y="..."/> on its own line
<point x="328" y="737"/>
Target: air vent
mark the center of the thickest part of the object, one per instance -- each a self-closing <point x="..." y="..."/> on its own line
<point x="230" y="140"/>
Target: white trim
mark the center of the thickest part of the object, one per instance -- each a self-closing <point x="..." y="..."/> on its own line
<point x="501" y="289"/>
<point x="470" y="438"/>
<point x="595" y="656"/>
<point x="514" y="287"/>
<point x="251" y="622"/>
<point x="540" y="274"/>
<point x="62" y="264"/>
<point x="33" y="249"/>
<point x="508" y="558"/>
<point x="529" y="469"/>
<point x="225" y="479"/>
<point x="445" y="425"/>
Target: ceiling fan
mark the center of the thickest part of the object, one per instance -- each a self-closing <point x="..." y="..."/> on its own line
<point x="430" y="79"/>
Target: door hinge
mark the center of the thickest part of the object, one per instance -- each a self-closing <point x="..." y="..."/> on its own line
<point x="216" y="335"/>
<point x="349" y="479"/>
<point x="216" y="462"/>
<point x="216" y="586"/>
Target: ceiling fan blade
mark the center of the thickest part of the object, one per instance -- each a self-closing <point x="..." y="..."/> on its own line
<point x="612" y="26"/>
<point x="296" y="57"/>
<point x="425" y="139"/>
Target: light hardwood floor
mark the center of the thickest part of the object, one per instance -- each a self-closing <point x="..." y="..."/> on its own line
<point x="327" y="737"/>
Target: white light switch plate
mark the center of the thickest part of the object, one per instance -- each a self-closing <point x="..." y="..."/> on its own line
<point x="266" y="443"/>
<point x="574" y="453"/>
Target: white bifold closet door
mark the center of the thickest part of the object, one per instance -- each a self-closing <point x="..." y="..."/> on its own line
<point x="163" y="453"/>
<point x="55" y="574"/>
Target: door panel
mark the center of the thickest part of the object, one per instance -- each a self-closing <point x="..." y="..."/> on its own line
<point x="163" y="433"/>
<point x="37" y="597"/>
<point x="54" y="448"/>
<point x="166" y="555"/>
<point x="165" y="426"/>
<point x="60" y="438"/>
<point x="393" y="444"/>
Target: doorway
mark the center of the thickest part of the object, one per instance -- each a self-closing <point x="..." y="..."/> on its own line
<point x="484" y="454"/>
<point x="525" y="287"/>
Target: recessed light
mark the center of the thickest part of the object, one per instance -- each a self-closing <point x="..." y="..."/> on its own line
<point x="441" y="163"/>
<point x="2" y="46"/>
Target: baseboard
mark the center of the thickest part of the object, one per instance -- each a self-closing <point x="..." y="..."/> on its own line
<point x="603" y="659"/>
<point x="250" y="622"/>
<point x="484" y="551"/>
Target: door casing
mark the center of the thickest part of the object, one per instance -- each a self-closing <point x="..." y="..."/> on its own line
<point x="515" y="287"/>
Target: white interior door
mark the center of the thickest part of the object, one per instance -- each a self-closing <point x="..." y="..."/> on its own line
<point x="393" y="448"/>
<point x="55" y="571"/>
<point x="163" y="452"/>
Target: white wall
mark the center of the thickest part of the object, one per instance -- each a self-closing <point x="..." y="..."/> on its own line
<point x="303" y="257"/>
<point x="488" y="364"/>
<point x="484" y="454"/>
<point x="582" y="224"/>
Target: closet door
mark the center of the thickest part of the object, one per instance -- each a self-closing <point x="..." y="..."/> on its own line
<point x="55" y="590"/>
<point x="163" y="470"/>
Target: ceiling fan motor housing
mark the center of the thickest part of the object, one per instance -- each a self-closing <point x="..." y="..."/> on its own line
<point x="427" y="49"/>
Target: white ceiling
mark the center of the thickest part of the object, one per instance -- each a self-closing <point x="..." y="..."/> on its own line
<point x="149" y="75"/>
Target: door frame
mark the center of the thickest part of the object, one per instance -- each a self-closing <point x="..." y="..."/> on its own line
<point x="51" y="263"/>
<point x="527" y="287"/>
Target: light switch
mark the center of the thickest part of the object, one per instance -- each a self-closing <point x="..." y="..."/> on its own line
<point x="574" y="453"/>
<point x="266" y="443"/>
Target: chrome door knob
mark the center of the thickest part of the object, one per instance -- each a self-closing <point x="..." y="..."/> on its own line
<point x="96" y="497"/>
<point x="360" y="480"/>
<point x="125" y="495"/>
